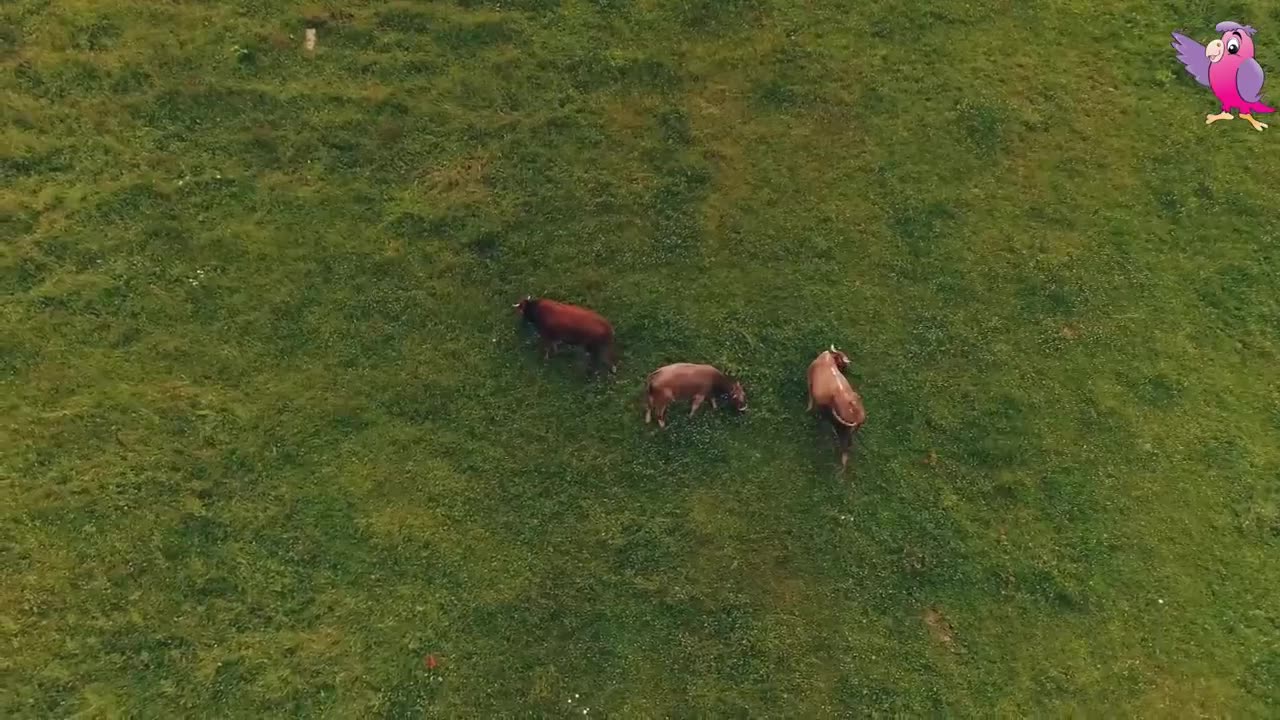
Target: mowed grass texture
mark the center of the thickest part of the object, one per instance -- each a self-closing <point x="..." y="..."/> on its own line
<point x="271" y="434"/>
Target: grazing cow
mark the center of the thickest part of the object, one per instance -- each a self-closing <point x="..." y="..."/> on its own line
<point x="558" y="322"/>
<point x="688" y="380"/>
<point x="830" y="390"/>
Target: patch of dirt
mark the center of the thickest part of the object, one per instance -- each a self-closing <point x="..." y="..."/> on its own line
<point x="940" y="628"/>
<point x="913" y="560"/>
<point x="319" y="16"/>
<point x="389" y="131"/>
<point x="464" y="179"/>
<point x="1069" y="332"/>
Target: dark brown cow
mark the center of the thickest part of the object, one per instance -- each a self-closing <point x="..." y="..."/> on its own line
<point x="830" y="390"/>
<point x="558" y="322"/>
<point x="687" y="380"/>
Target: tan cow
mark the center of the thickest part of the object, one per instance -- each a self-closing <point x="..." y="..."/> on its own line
<point x="688" y="380"/>
<point x="830" y="390"/>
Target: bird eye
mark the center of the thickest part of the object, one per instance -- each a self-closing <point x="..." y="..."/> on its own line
<point x="1233" y="46"/>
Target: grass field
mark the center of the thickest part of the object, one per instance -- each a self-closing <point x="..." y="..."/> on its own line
<point x="270" y="434"/>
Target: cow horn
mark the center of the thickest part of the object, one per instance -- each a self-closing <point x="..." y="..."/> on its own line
<point x="833" y="348"/>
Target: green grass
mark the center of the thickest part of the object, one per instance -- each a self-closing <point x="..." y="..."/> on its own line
<point x="271" y="434"/>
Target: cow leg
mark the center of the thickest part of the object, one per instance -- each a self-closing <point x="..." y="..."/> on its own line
<point x="664" y="404"/>
<point x="714" y="404"/>
<point x="655" y="406"/>
<point x="845" y="436"/>
<point x="810" y="408"/>
<point x="611" y="358"/>
<point x="697" y="403"/>
<point x="547" y="347"/>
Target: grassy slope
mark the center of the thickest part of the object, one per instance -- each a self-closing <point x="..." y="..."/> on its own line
<point x="270" y="433"/>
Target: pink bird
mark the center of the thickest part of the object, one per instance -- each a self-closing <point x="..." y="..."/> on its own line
<point x="1226" y="66"/>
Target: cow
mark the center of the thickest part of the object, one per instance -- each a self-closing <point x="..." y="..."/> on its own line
<point x="558" y="322"/>
<point x="689" y="380"/>
<point x="830" y="391"/>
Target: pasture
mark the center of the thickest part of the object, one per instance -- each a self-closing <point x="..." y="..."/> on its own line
<point x="271" y="435"/>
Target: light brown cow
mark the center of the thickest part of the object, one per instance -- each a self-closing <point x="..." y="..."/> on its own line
<point x="688" y="380"/>
<point x="830" y="390"/>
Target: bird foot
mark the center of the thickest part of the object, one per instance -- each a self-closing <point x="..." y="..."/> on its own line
<point x="1210" y="119"/>
<point x="1256" y="125"/>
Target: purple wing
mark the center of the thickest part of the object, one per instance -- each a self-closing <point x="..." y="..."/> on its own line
<point x="1249" y="80"/>
<point x="1191" y="54"/>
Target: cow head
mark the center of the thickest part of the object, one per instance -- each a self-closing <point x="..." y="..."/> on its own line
<point x="738" y="396"/>
<point x="522" y="307"/>
<point x="839" y="358"/>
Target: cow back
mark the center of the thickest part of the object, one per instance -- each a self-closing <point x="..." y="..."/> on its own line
<point x="570" y="323"/>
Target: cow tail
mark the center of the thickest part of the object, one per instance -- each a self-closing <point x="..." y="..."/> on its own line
<point x="648" y="388"/>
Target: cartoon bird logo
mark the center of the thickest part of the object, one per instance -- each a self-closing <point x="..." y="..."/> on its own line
<point x="1226" y="66"/>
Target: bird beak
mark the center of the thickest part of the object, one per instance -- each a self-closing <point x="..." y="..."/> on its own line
<point x="1214" y="51"/>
